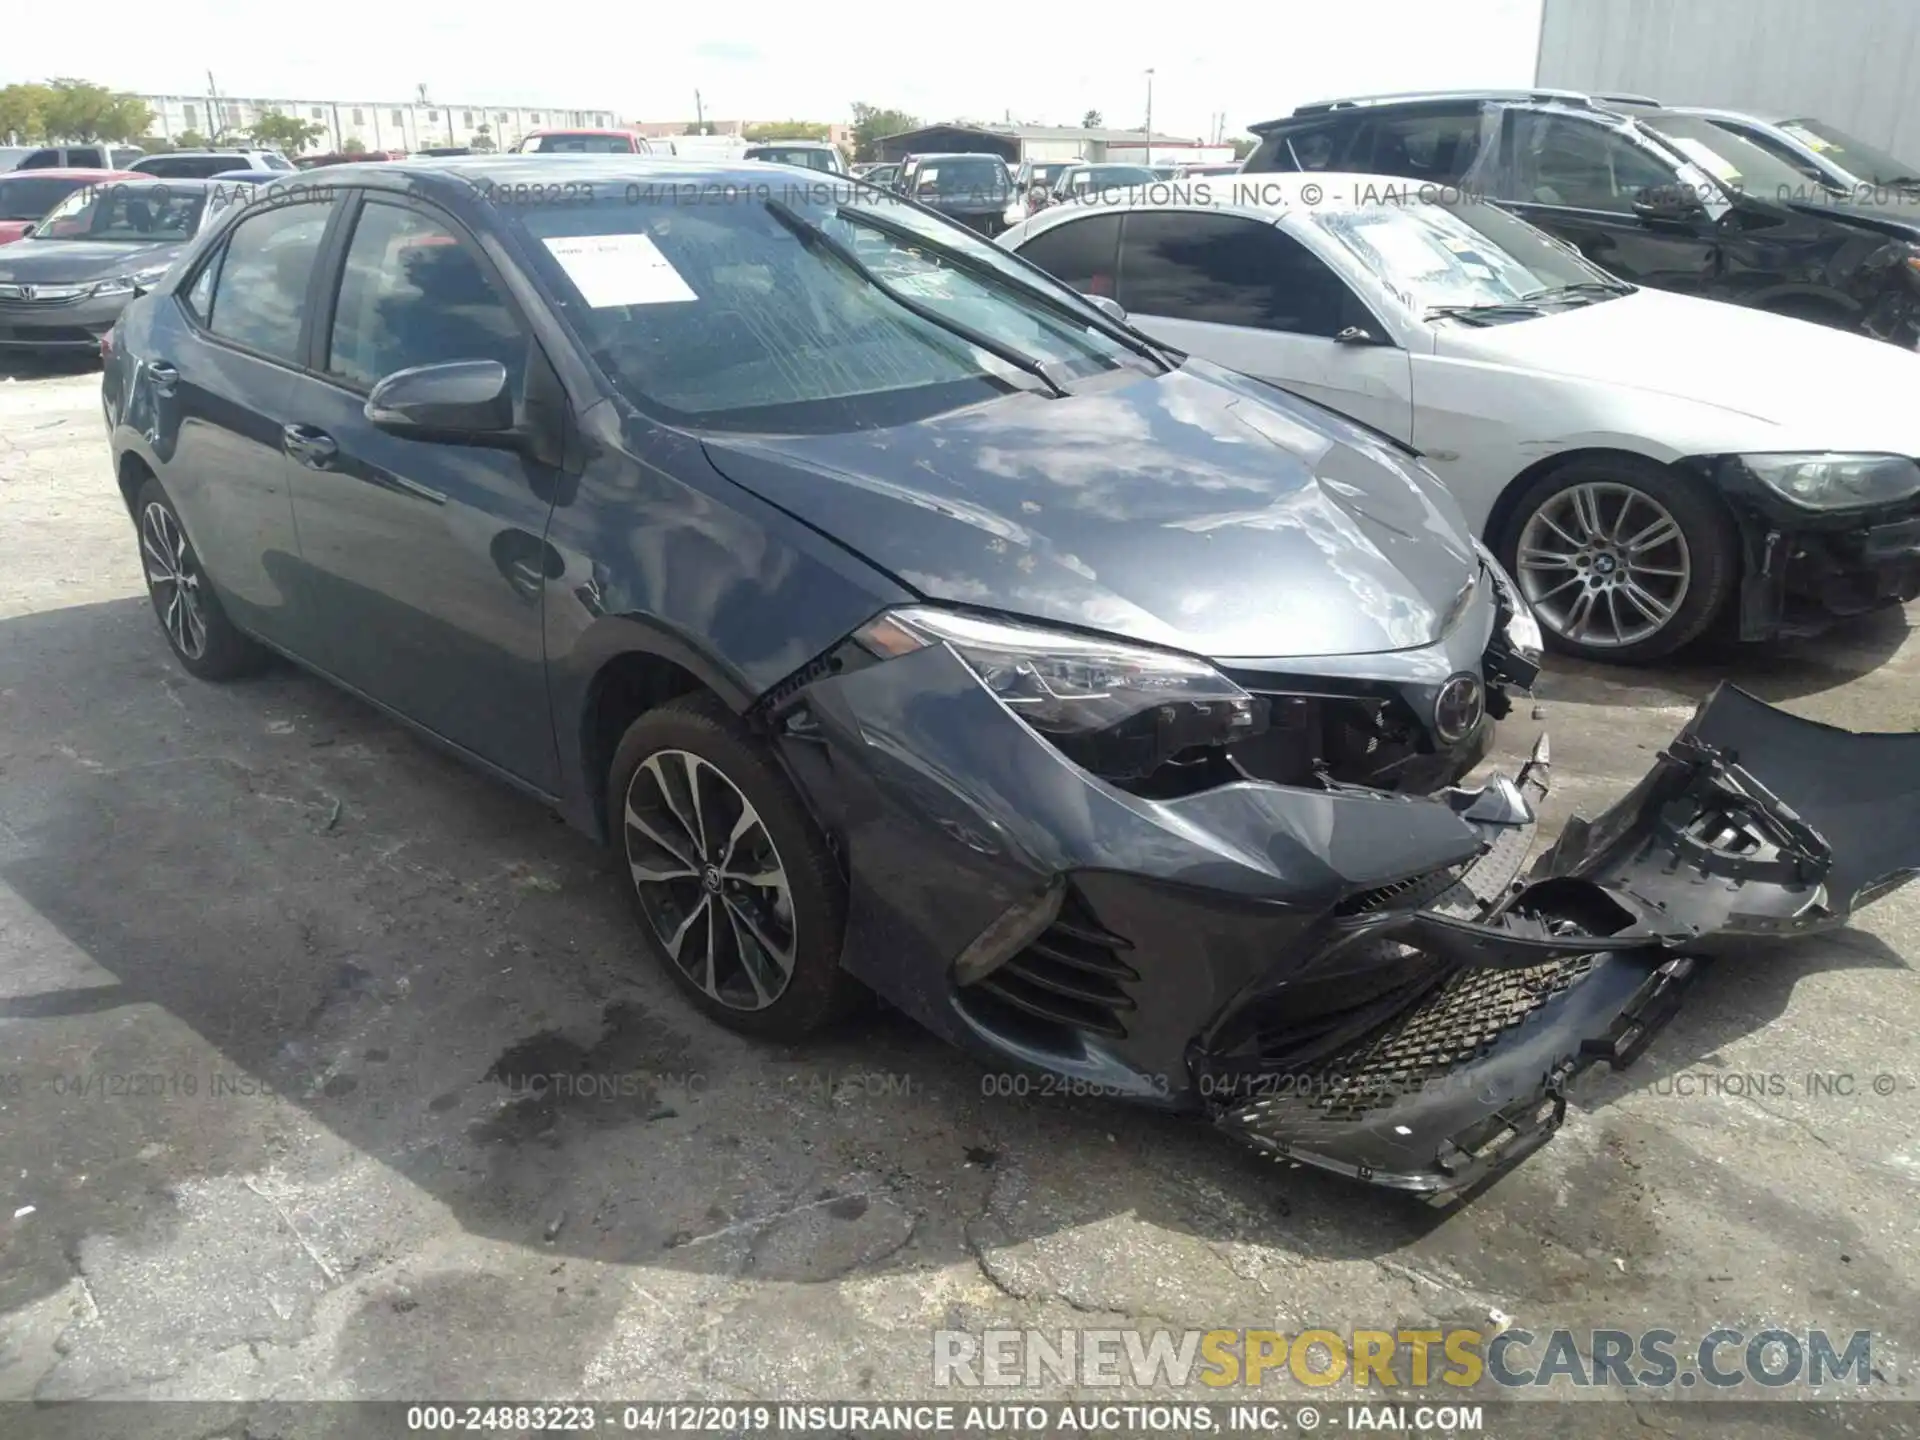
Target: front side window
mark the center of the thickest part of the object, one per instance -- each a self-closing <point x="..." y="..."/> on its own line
<point x="1463" y="255"/>
<point x="1581" y="164"/>
<point x="712" y="308"/>
<point x="126" y="212"/>
<point x="1082" y="254"/>
<point x="412" y="293"/>
<point x="1733" y="160"/>
<point x="260" y="294"/>
<point x="1225" y="270"/>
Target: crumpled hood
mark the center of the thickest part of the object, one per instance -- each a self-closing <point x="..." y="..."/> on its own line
<point x="1194" y="510"/>
<point x="1810" y="386"/>
<point x="54" y="262"/>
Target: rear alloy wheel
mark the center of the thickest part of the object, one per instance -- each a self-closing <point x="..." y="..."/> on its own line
<point x="203" y="639"/>
<point x="733" y="882"/>
<point x="1620" y="559"/>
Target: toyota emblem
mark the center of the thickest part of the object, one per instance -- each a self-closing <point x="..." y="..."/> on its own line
<point x="1458" y="708"/>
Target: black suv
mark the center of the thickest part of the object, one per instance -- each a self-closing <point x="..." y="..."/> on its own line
<point x="974" y="189"/>
<point x="1655" y="196"/>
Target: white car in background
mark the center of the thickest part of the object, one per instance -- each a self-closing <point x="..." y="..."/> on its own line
<point x="1645" y="463"/>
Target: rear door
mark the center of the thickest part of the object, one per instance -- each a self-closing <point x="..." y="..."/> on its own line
<point x="1245" y="294"/>
<point x="216" y="382"/>
<point x="428" y="560"/>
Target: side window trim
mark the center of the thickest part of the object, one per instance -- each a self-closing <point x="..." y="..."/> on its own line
<point x="332" y="265"/>
<point x="216" y="256"/>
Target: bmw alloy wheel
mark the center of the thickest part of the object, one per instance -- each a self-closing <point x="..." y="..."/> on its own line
<point x="1603" y="564"/>
<point x="174" y="579"/>
<point x="710" y="880"/>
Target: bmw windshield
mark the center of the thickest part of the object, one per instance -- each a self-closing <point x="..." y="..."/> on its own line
<point x="1469" y="261"/>
<point x="808" y="307"/>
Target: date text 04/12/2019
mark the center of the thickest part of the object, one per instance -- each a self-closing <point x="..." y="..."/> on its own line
<point x="945" y="1418"/>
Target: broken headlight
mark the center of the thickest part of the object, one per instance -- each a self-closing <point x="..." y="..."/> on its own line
<point x="1517" y="645"/>
<point x="1119" y="710"/>
<point x="1824" y="480"/>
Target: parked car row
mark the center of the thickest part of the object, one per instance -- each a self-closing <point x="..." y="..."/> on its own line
<point x="906" y="620"/>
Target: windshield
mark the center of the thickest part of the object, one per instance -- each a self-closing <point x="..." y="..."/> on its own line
<point x="123" y="211"/>
<point x="953" y="176"/>
<point x="583" y="144"/>
<point x="803" y="155"/>
<point x="1107" y="177"/>
<point x="1856" y="157"/>
<point x="28" y="198"/>
<point x="705" y="307"/>
<point x="1735" y="162"/>
<point x="1464" y="254"/>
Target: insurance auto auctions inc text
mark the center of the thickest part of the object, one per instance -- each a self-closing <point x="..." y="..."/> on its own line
<point x="1752" y="1362"/>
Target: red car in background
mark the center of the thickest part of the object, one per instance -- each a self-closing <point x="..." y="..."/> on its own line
<point x="26" y="196"/>
<point x="583" y="142"/>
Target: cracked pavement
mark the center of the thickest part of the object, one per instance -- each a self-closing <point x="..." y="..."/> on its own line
<point x="278" y="983"/>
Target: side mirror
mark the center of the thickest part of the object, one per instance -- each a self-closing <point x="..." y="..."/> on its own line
<point x="461" y="402"/>
<point x="1107" y="305"/>
<point x="1356" y="335"/>
<point x="1669" y="204"/>
<point x="28" y="231"/>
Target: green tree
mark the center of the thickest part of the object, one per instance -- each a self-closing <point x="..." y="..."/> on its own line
<point x="80" y="110"/>
<point x="785" y="130"/>
<point x="23" y="112"/>
<point x="1091" y="120"/>
<point x="871" y="123"/>
<point x="353" y="145"/>
<point x="1242" y="146"/>
<point x="288" y="134"/>
<point x="482" y="139"/>
<point x="190" y="140"/>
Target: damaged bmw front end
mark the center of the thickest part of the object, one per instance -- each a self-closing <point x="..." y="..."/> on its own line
<point x="1369" y="982"/>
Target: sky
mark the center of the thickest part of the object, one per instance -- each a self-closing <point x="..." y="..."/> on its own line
<point x="1046" y="64"/>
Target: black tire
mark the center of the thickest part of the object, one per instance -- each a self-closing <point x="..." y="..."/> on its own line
<point x="223" y="652"/>
<point x="1712" y="549"/>
<point x="817" y="991"/>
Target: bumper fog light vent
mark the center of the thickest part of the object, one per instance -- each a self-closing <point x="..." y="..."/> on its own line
<point x="1070" y="974"/>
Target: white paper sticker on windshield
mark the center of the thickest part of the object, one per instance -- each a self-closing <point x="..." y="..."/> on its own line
<point x="1806" y="137"/>
<point x="620" y="270"/>
<point x="1405" y="250"/>
<point x="1714" y="164"/>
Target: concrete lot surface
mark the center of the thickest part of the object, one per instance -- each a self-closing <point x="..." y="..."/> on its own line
<point x="270" y="969"/>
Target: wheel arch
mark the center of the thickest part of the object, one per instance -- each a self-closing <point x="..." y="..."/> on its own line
<point x="643" y="674"/>
<point x="132" y="471"/>
<point x="1501" y="515"/>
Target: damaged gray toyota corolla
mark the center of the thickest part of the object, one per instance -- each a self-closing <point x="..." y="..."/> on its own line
<point x="900" y="615"/>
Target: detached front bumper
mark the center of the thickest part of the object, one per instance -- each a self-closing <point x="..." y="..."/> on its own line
<point x="1336" y="976"/>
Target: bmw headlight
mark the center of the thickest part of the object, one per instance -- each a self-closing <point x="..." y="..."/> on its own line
<point x="128" y="284"/>
<point x="1119" y="710"/>
<point x="1824" y="480"/>
<point x="1519" y="631"/>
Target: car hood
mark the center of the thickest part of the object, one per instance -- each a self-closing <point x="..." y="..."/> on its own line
<point x="57" y="261"/>
<point x="1807" y="384"/>
<point x="1194" y="510"/>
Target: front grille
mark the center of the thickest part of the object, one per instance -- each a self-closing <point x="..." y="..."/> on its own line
<point x="1071" y="976"/>
<point x="1457" y="1024"/>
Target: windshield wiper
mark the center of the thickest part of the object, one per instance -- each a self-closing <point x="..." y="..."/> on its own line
<point x="1577" y="289"/>
<point x="812" y="236"/>
<point x="1490" y="310"/>
<point x="1104" y="323"/>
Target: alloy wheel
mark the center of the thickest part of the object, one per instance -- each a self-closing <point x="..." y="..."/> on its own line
<point x="1603" y="565"/>
<point x="710" y="879"/>
<point x="174" y="578"/>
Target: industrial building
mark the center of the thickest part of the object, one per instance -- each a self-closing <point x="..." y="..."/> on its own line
<point x="1848" y="62"/>
<point x="376" y="124"/>
<point x="1041" y="143"/>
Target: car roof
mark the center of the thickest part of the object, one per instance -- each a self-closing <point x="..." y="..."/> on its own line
<point x="1415" y="99"/>
<point x="458" y="177"/>
<point x="1716" y="112"/>
<point x="790" y="144"/>
<point x="586" y="130"/>
<point x="73" y="172"/>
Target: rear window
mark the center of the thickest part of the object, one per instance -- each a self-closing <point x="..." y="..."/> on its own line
<point x="27" y="198"/>
<point x="801" y="155"/>
<point x="189" y="167"/>
<point x="962" y="175"/>
<point x="1300" y="147"/>
<point x="582" y="144"/>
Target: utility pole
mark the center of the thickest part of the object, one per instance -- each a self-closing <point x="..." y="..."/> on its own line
<point x="213" y="109"/>
<point x="699" y="115"/>
<point x="1149" y="116"/>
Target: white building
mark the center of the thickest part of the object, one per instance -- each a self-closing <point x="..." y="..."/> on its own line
<point x="376" y="124"/>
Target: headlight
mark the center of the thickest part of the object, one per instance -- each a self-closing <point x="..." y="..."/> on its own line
<point x="127" y="284"/>
<point x="1119" y="710"/>
<point x="1518" y="629"/>
<point x="1828" y="481"/>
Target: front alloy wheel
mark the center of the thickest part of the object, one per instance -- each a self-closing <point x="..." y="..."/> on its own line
<point x="1619" y="558"/>
<point x="710" y="880"/>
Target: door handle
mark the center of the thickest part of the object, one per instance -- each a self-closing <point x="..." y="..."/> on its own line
<point x="163" y="376"/>
<point x="311" y="447"/>
<point x="526" y="577"/>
